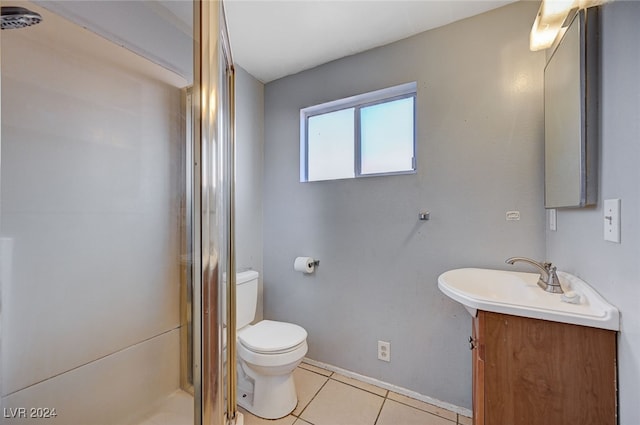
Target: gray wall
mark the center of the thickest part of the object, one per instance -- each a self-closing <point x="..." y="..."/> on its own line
<point x="249" y="172"/>
<point x="578" y="246"/>
<point x="479" y="155"/>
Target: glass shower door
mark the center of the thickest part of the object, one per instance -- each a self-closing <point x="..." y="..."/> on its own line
<point x="112" y="201"/>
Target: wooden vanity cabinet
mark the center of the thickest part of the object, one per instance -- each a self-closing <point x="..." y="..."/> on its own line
<point x="537" y="372"/>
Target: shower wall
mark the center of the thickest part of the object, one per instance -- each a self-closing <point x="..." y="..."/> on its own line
<point x="90" y="204"/>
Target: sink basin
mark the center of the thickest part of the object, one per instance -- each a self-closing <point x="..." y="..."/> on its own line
<point x="518" y="294"/>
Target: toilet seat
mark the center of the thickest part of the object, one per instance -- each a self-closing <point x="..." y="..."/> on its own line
<point x="271" y="337"/>
<point x="272" y="344"/>
<point x="273" y="362"/>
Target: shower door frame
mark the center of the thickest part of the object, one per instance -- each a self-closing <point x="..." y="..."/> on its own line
<point x="211" y="170"/>
<point x="213" y="217"/>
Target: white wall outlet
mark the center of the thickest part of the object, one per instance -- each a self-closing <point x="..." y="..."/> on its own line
<point x="553" y="226"/>
<point x="384" y="351"/>
<point x="612" y="220"/>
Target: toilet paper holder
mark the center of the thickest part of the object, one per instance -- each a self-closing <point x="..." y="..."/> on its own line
<point x="306" y="265"/>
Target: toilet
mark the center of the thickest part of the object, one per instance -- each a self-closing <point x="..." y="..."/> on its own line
<point x="267" y="353"/>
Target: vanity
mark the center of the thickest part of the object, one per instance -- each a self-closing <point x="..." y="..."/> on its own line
<point x="537" y="359"/>
<point x="544" y="345"/>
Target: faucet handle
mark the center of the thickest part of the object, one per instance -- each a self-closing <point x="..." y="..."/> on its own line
<point x="554" y="281"/>
<point x="553" y="276"/>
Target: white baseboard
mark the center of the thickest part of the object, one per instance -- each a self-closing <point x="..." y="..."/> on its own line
<point x="396" y="389"/>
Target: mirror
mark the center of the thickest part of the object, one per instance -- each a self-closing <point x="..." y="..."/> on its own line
<point x="570" y="115"/>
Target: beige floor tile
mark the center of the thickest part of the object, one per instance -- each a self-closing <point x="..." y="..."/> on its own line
<point x="301" y="422"/>
<point x="362" y="385"/>
<point x="342" y="404"/>
<point x="447" y="414"/>
<point x="394" y="413"/>
<point x="307" y="386"/>
<point x="315" y="369"/>
<point x="250" y="419"/>
<point x="465" y="420"/>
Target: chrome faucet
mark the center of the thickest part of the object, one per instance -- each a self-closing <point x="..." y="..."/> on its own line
<point x="548" y="279"/>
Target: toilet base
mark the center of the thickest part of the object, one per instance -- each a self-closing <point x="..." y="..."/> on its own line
<point x="273" y="397"/>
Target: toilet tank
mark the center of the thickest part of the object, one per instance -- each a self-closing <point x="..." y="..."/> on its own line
<point x="246" y="297"/>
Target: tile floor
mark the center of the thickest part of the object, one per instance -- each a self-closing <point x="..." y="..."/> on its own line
<point x="328" y="398"/>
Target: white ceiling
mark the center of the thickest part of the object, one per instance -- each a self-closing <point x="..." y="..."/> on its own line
<point x="272" y="39"/>
<point x="269" y="38"/>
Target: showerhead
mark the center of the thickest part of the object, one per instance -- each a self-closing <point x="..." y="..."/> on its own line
<point x="13" y="17"/>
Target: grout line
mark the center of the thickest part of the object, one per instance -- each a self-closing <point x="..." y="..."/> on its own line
<point x="359" y="388"/>
<point x="397" y="389"/>
<point x="317" y="373"/>
<point x="312" y="371"/>
<point x="380" y="411"/>
<point x="386" y="397"/>
<point x="466" y="417"/>
<point x="312" y="398"/>
<point x="454" y="422"/>
<point x="427" y="411"/>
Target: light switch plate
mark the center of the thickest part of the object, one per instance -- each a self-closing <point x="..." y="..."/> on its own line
<point x="612" y="220"/>
<point x="553" y="223"/>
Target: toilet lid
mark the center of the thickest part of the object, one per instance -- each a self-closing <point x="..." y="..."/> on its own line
<point x="269" y="336"/>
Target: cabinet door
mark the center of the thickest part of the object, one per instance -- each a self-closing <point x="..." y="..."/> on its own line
<point x="537" y="372"/>
<point x="477" y="341"/>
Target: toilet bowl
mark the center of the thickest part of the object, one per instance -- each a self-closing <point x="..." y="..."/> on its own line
<point x="267" y="354"/>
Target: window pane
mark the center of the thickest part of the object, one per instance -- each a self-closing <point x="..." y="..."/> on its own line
<point x="387" y="137"/>
<point x="330" y="146"/>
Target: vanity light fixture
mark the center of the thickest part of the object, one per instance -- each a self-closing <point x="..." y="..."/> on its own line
<point x="552" y="17"/>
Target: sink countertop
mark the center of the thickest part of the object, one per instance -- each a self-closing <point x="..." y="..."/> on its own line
<point x="518" y="294"/>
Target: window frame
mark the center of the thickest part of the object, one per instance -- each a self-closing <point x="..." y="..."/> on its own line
<point x="390" y="94"/>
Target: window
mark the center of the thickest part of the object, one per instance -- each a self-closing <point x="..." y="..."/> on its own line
<point x="370" y="134"/>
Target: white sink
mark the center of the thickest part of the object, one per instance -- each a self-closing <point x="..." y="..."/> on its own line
<point x="518" y="294"/>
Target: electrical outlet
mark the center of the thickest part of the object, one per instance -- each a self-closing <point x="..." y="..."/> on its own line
<point x="384" y="351"/>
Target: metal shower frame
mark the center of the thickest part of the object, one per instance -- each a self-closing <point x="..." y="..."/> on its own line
<point x="213" y="229"/>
